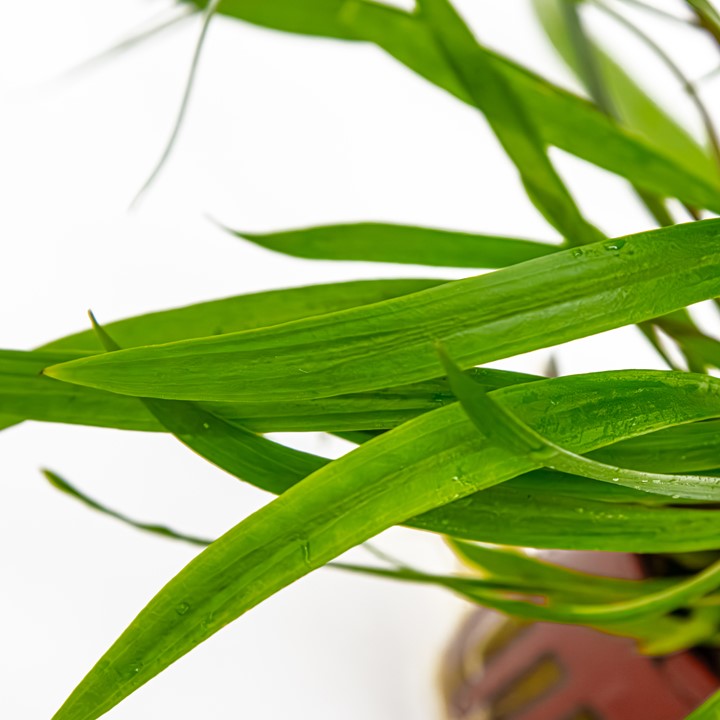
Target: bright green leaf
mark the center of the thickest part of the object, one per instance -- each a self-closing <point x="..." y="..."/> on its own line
<point x="378" y="242"/>
<point x="478" y="320"/>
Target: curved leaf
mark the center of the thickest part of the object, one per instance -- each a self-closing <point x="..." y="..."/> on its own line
<point x="427" y="462"/>
<point x="30" y="395"/>
<point x="382" y="242"/>
<point x="243" y="312"/>
<point x="480" y="319"/>
<point x="509" y="119"/>
<point x="505" y="428"/>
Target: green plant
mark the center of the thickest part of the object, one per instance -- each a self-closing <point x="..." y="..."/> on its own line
<point x="607" y="461"/>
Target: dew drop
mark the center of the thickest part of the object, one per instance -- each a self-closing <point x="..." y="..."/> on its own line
<point x="182" y="608"/>
<point x="206" y="425"/>
<point x="577" y="252"/>
<point x="614" y="244"/>
<point x="616" y="479"/>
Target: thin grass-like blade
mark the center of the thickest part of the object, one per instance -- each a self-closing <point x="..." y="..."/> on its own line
<point x="515" y="569"/>
<point x="427" y="462"/>
<point x="641" y="616"/>
<point x="535" y="578"/>
<point x="65" y="487"/>
<point x="381" y="242"/>
<point x="509" y="118"/>
<point x="479" y="319"/>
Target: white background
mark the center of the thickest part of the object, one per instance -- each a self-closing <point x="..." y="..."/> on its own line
<point x="282" y="131"/>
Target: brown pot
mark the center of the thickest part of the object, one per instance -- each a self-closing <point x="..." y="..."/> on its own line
<point x="504" y="669"/>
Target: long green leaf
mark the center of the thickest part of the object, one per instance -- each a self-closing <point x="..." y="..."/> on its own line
<point x="425" y="463"/>
<point x="531" y="577"/>
<point x="378" y="242"/>
<point x="641" y="617"/>
<point x="479" y="319"/>
<point x="551" y="510"/>
<point x="243" y="312"/>
<point x="557" y="506"/>
<point x="24" y="395"/>
<point x="510" y="120"/>
<point x="28" y="394"/>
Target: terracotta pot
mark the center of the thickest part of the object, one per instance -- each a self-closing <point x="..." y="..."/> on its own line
<point x="502" y="669"/>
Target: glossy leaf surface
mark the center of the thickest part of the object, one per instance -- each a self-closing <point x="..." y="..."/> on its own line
<point x="427" y="462"/>
<point x="479" y="319"/>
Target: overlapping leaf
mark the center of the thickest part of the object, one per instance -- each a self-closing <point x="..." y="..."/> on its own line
<point x="479" y="319"/>
<point x="243" y="312"/>
<point x="425" y="463"/>
<point x="509" y="118"/>
<point x="624" y="98"/>
<point x="509" y="431"/>
<point x="28" y="395"/>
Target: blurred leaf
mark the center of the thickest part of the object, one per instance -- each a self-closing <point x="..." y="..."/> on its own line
<point x="642" y="616"/>
<point x="517" y="570"/>
<point x="377" y="242"/>
<point x="709" y="710"/>
<point x="478" y="320"/>
<point x="561" y="118"/>
<point x="627" y="101"/>
<point x="311" y="17"/>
